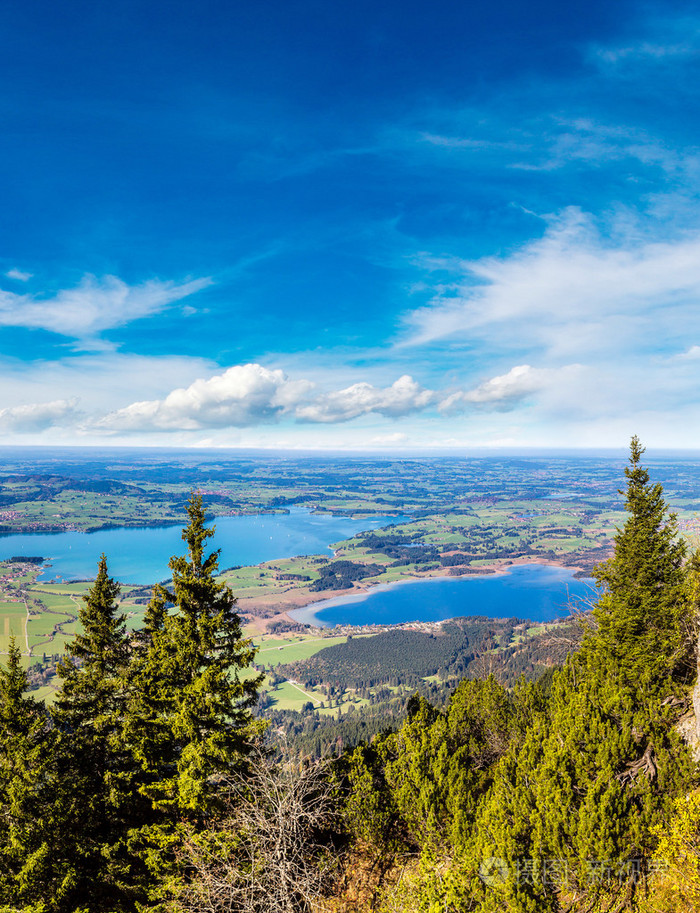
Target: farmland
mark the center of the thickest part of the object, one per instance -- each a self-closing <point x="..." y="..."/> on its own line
<point x="43" y="618"/>
<point x="454" y="517"/>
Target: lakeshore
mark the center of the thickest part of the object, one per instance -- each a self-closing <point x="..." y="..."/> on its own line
<point x="140" y="555"/>
<point x="281" y="558"/>
<point x="533" y="590"/>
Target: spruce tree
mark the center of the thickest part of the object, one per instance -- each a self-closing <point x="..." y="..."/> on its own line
<point x="97" y="774"/>
<point x="599" y="765"/>
<point x="643" y="611"/>
<point x="190" y="719"/>
<point x="26" y="744"/>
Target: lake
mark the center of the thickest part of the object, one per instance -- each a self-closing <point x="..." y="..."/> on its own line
<point x="536" y="591"/>
<point x="141" y="554"/>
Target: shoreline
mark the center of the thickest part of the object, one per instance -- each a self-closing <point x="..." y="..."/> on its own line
<point x="122" y="523"/>
<point x="306" y="612"/>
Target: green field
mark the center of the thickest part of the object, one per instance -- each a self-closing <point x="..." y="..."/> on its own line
<point x="13" y="617"/>
<point x="74" y="589"/>
<point x="52" y="624"/>
<point x="274" y="651"/>
<point x="287" y="696"/>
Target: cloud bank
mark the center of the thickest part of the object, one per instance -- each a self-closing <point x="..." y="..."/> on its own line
<point x="241" y="396"/>
<point x="247" y="395"/>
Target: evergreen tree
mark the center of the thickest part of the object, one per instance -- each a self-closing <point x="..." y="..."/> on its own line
<point x="25" y="758"/>
<point x="190" y="718"/>
<point x="96" y="772"/>
<point x="598" y="766"/>
<point x="552" y="797"/>
<point x="643" y="611"/>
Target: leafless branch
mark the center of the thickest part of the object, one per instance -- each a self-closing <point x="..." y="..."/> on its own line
<point x="267" y="854"/>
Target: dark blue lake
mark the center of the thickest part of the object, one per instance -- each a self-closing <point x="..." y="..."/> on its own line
<point x="141" y="554"/>
<point x="535" y="591"/>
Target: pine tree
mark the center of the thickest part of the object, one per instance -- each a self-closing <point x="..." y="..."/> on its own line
<point x="96" y="789"/>
<point x="643" y="613"/>
<point x="191" y="714"/>
<point x="599" y="764"/>
<point x="26" y="745"/>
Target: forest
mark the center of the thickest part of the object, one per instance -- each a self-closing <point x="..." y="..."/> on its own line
<point x="463" y="647"/>
<point x="151" y="784"/>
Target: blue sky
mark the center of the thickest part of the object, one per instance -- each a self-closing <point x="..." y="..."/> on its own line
<point x="350" y="224"/>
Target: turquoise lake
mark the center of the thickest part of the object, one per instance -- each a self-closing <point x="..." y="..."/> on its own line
<point x="535" y="591"/>
<point x="141" y="554"/>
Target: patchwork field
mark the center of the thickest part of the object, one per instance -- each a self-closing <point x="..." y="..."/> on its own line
<point x="13" y="621"/>
<point x="53" y="622"/>
<point x="466" y="514"/>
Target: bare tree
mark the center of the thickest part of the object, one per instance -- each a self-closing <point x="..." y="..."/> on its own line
<point x="267" y="853"/>
<point x="581" y="614"/>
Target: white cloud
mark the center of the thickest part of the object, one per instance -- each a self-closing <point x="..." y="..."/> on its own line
<point x="653" y="51"/>
<point x="692" y="353"/>
<point x="572" y="293"/>
<point x="249" y="395"/>
<point x="401" y="398"/>
<point x="582" y="140"/>
<point x="469" y="143"/>
<point x="241" y="396"/>
<point x="93" y="306"/>
<point x="18" y="275"/>
<point x="102" y="381"/>
<point x="33" y="417"/>
<point x="645" y="50"/>
<point x="501" y="392"/>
